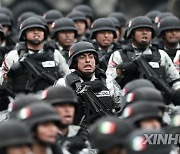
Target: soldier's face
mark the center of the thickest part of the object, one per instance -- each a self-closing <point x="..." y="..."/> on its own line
<point x="47" y="132"/>
<point x="151" y="123"/>
<point x="5" y="30"/>
<point x="86" y="63"/>
<point x="66" y="38"/>
<point x="172" y="36"/>
<point x="66" y="113"/>
<point x="142" y="36"/>
<point x="35" y="35"/>
<point x="22" y="149"/>
<point x="81" y="27"/>
<point x="104" y="38"/>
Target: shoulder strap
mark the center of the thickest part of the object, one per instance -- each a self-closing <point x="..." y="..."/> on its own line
<point x="73" y="80"/>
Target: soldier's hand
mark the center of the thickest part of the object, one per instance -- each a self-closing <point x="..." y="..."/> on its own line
<point x="16" y="68"/>
<point x="176" y="97"/>
<point x="76" y="143"/>
<point x="127" y="67"/>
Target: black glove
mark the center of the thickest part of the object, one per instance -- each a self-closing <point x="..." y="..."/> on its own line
<point x="76" y="143"/>
<point x="128" y="67"/>
<point x="176" y="97"/>
<point x="15" y="69"/>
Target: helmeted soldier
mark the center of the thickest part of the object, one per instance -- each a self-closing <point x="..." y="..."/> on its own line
<point x="169" y="34"/>
<point x="83" y="58"/>
<point x="80" y="23"/>
<point x="109" y="130"/>
<point x="64" y="33"/>
<point x="14" y="138"/>
<point x="43" y="123"/>
<point x="103" y="33"/>
<point x="143" y="115"/>
<point x="88" y="12"/>
<point x="44" y="58"/>
<point x="20" y="102"/>
<point x="72" y="138"/>
<point x="50" y="16"/>
<point x="121" y="17"/>
<point x="140" y="32"/>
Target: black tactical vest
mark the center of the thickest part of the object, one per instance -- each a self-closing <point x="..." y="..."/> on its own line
<point x="127" y="54"/>
<point x="22" y="80"/>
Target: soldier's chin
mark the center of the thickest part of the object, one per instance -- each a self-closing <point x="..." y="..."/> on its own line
<point x="35" y="42"/>
<point x="144" y="44"/>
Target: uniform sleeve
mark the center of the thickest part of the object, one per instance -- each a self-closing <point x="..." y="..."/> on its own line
<point x="172" y="73"/>
<point x="60" y="82"/>
<point x="114" y="60"/>
<point x="176" y="60"/>
<point x="11" y="58"/>
<point x="63" y="66"/>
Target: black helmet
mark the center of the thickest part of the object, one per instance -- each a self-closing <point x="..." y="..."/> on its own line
<point x="152" y="15"/>
<point x="24" y="16"/>
<point x="148" y="94"/>
<point x="2" y="33"/>
<point x="20" y="102"/>
<point x="76" y="15"/>
<point x="135" y="84"/>
<point x="87" y="10"/>
<point x="139" y="22"/>
<point x="78" y="48"/>
<point x="115" y="22"/>
<point x="120" y="17"/>
<point x="162" y="15"/>
<point x="4" y="20"/>
<point x="108" y="132"/>
<point x="168" y="23"/>
<point x="140" y="142"/>
<point x="38" y="113"/>
<point x="59" y="95"/>
<point x="102" y="24"/>
<point x="52" y="15"/>
<point x="141" y="110"/>
<point x="14" y="133"/>
<point x="32" y="22"/>
<point x="8" y="12"/>
<point x="61" y="25"/>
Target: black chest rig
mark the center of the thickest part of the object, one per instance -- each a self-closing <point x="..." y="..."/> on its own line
<point x="127" y="54"/>
<point x="44" y="60"/>
<point x="97" y="86"/>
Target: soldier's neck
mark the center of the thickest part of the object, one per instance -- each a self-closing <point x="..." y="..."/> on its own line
<point x="38" y="149"/>
<point x="34" y="47"/>
<point x="170" y="45"/>
<point x="64" y="131"/>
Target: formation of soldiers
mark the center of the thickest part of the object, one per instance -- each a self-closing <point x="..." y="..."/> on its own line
<point x="78" y="85"/>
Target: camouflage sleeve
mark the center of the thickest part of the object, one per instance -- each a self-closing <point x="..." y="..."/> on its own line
<point x="172" y="73"/>
<point x="176" y="60"/>
<point x="63" y="66"/>
<point x="11" y="58"/>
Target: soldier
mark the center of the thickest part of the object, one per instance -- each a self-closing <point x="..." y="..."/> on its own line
<point x="20" y="102"/>
<point x="103" y="33"/>
<point x="43" y="123"/>
<point x="64" y="33"/>
<point x="83" y="60"/>
<point x="88" y="12"/>
<point x="169" y="34"/>
<point x="50" y="16"/>
<point x="140" y="32"/>
<point x="72" y="138"/>
<point x="45" y="59"/>
<point x="121" y="17"/>
<point x="14" y="138"/>
<point x="80" y="23"/>
<point x="143" y="115"/>
<point x="112" y="131"/>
